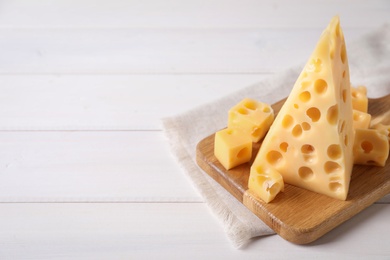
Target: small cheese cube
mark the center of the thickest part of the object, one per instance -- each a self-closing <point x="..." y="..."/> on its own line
<point x="383" y="129"/>
<point x="251" y="117"/>
<point x="359" y="98"/>
<point x="232" y="147"/>
<point x="266" y="184"/>
<point x="361" y="119"/>
<point x="370" y="147"/>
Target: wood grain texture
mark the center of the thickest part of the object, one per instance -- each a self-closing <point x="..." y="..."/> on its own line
<point x="155" y="51"/>
<point x="299" y="215"/>
<point x="189" y="14"/>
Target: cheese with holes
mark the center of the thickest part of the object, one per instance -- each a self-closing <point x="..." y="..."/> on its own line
<point x="253" y="118"/>
<point x="359" y="98"/>
<point x="268" y="183"/>
<point x="371" y="147"/>
<point x="232" y="147"/>
<point x="310" y="142"/>
<point x="361" y="119"/>
<point x="383" y="129"/>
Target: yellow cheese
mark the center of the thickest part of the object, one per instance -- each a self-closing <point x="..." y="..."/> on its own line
<point x="371" y="147"/>
<point x="310" y="142"/>
<point x="359" y="98"/>
<point x="383" y="129"/>
<point x="252" y="117"/>
<point x="232" y="147"/>
<point x="361" y="119"/>
<point x="268" y="183"/>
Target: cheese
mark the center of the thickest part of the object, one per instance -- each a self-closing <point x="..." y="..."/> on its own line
<point x="267" y="182"/>
<point x="371" y="147"/>
<point x="361" y="119"/>
<point x="253" y="118"/>
<point x="359" y="98"/>
<point x="383" y="129"/>
<point x="232" y="147"/>
<point x="310" y="142"/>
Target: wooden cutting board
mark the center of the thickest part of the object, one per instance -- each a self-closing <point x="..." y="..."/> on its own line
<point x="299" y="215"/>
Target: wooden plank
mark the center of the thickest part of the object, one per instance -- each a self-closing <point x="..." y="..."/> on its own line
<point x="107" y="102"/>
<point x="299" y="215"/>
<point x="90" y="166"/>
<point x="147" y="51"/>
<point x="166" y="230"/>
<point x="189" y="14"/>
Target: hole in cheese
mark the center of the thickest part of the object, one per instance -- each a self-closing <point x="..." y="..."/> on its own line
<point x="314" y="114"/>
<point x="259" y="169"/>
<point x="345" y="95"/>
<point x="305" y="96"/>
<point x="332" y="115"/>
<point x="331" y="167"/>
<point x="297" y="130"/>
<point x="331" y="53"/>
<point x="274" y="157"/>
<point x="305" y="173"/>
<point x="308" y="152"/>
<point x="250" y="105"/>
<point x="287" y="121"/>
<point x="366" y="146"/>
<point x="346" y="140"/>
<point x="273" y="189"/>
<point x="335" y="186"/>
<point x="296" y="106"/>
<point x="342" y="127"/>
<point x="283" y="146"/>
<point x="344" y="74"/>
<point x="242" y="111"/>
<point x="266" y="109"/>
<point x="320" y="86"/>
<point x="307" y="149"/>
<point x="306" y="126"/>
<point x="243" y="152"/>
<point x="334" y="151"/>
<point x="343" y="53"/>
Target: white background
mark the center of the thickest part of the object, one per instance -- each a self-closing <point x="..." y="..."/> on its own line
<point x="85" y="171"/>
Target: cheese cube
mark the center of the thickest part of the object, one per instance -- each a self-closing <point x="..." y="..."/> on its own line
<point x="359" y="98"/>
<point x="383" y="129"/>
<point x="265" y="183"/>
<point x="370" y="147"/>
<point x="232" y="147"/>
<point x="251" y="117"/>
<point x="310" y="142"/>
<point x="361" y="119"/>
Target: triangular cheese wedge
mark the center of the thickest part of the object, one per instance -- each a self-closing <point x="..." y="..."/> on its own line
<point x="311" y="140"/>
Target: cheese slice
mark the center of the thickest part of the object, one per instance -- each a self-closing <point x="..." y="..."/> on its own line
<point x="310" y="142"/>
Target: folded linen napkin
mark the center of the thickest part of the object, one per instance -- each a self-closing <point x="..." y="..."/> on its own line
<point x="369" y="61"/>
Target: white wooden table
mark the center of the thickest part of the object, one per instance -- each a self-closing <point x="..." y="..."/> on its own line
<point x="85" y="171"/>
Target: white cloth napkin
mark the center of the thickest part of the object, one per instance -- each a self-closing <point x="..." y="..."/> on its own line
<point x="369" y="61"/>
